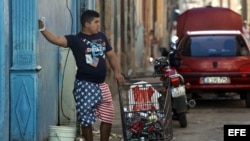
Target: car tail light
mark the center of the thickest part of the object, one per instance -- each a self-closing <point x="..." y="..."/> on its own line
<point x="245" y="69"/>
<point x="175" y="81"/>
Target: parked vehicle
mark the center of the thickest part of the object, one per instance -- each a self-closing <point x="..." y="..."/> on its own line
<point x="174" y="85"/>
<point x="214" y="53"/>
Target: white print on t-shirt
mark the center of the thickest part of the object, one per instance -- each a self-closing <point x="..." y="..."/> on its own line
<point x="89" y="59"/>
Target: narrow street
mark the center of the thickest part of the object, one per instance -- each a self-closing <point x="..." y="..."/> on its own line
<point x="207" y="119"/>
<point x="205" y="122"/>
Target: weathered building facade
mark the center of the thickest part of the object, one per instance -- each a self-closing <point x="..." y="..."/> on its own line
<point x="36" y="77"/>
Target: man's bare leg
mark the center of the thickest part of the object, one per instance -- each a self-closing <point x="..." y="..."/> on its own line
<point x="105" y="130"/>
<point x="87" y="133"/>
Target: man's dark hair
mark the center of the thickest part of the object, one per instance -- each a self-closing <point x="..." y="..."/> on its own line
<point x="88" y="16"/>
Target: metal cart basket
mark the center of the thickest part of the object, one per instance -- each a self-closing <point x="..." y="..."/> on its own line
<point x="146" y="113"/>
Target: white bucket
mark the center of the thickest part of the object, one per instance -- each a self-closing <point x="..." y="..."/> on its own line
<point x="62" y="133"/>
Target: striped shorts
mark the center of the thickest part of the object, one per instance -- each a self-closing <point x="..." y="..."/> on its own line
<point x="93" y="100"/>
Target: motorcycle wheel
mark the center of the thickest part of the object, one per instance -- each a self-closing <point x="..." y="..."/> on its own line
<point x="182" y="119"/>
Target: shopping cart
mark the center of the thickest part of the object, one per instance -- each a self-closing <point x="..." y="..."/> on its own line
<point x="146" y="113"/>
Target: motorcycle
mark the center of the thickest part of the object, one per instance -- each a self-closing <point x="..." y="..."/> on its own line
<point x="174" y="84"/>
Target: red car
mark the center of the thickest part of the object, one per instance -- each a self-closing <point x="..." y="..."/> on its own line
<point x="215" y="55"/>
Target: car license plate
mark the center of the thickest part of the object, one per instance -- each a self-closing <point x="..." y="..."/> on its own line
<point x="178" y="91"/>
<point x="215" y="80"/>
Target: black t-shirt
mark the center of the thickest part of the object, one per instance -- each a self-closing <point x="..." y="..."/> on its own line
<point x="89" y="52"/>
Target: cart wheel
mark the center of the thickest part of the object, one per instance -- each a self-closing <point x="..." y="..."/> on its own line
<point x="191" y="103"/>
<point x="182" y="119"/>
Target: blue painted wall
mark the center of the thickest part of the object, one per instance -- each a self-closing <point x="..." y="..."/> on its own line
<point x="62" y="18"/>
<point x="4" y="75"/>
<point x="58" y="20"/>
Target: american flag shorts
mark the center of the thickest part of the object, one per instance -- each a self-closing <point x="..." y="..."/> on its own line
<point x="93" y="100"/>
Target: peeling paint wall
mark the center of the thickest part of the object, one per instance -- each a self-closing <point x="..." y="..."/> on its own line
<point x="58" y="73"/>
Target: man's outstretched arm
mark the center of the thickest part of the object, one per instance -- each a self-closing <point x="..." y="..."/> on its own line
<point x="51" y="37"/>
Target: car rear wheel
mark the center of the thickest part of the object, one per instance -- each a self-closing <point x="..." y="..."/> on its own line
<point x="248" y="99"/>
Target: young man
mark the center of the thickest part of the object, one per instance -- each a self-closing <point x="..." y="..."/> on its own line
<point x="91" y="93"/>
